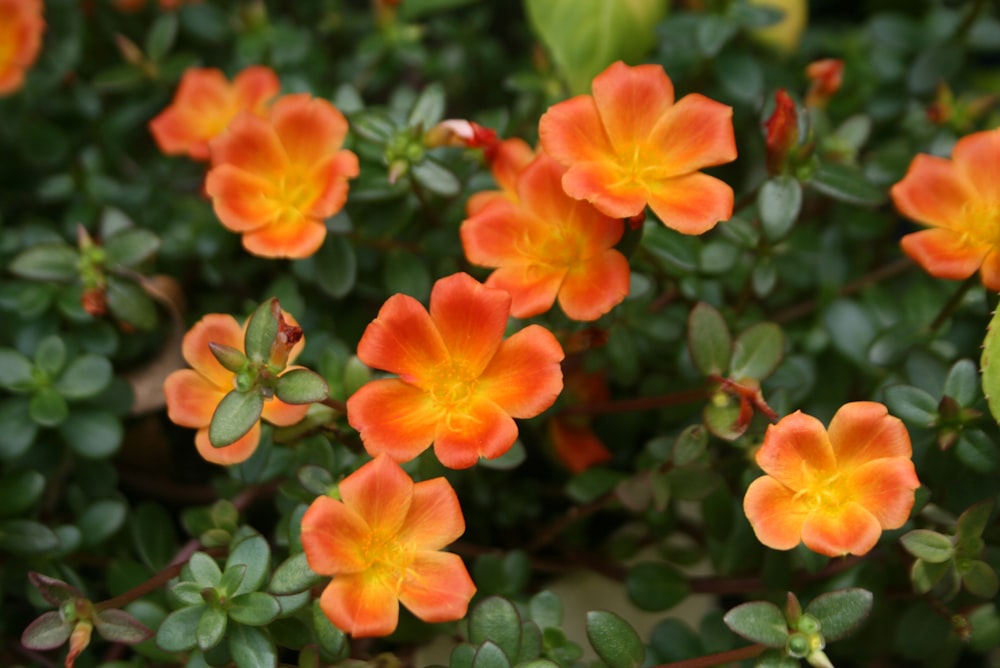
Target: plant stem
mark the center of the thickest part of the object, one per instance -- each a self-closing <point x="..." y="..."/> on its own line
<point x="952" y="304"/>
<point x="336" y="405"/>
<point x="718" y="659"/>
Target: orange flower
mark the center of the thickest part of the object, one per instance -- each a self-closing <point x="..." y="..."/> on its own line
<point x="574" y="442"/>
<point x="382" y="544"/>
<point x="545" y="245"/>
<point x="204" y="105"/>
<point x="826" y="76"/>
<point x="959" y="199"/>
<point x="630" y="144"/>
<point x="507" y="158"/>
<point x="460" y="382"/>
<point x="193" y="394"/>
<point x="21" y="28"/>
<point x="833" y="490"/>
<point x="276" y="180"/>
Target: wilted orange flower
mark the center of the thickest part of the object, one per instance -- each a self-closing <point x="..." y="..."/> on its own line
<point x="545" y="244"/>
<point x="276" y="180"/>
<point x="833" y="490"/>
<point x="574" y="442"/>
<point x="193" y="394"/>
<point x="21" y="28"/>
<point x="826" y="76"/>
<point x="460" y="382"/>
<point x="629" y="144"/>
<point x="204" y="105"/>
<point x="782" y="131"/>
<point x="507" y="158"/>
<point x="381" y="543"/>
<point x="959" y="199"/>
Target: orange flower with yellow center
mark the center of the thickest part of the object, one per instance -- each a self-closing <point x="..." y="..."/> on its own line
<point x="381" y="543"/>
<point x="460" y="383"/>
<point x="21" y="28"/>
<point x="959" y="200"/>
<point x="205" y="103"/>
<point x="835" y="491"/>
<point x="276" y="180"/>
<point x="630" y="144"/>
<point x="193" y="394"/>
<point x="546" y="245"/>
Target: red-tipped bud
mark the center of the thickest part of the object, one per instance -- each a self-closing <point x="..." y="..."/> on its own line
<point x="782" y="131"/>
<point x="826" y="76"/>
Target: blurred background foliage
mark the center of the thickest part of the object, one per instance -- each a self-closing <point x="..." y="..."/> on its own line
<point x="100" y="491"/>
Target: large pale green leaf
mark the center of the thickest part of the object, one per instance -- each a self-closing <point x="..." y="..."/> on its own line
<point x="990" y="364"/>
<point x="585" y="36"/>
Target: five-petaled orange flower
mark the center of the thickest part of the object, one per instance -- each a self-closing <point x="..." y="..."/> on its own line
<point x="630" y="144"/>
<point x="21" y="28"/>
<point x="833" y="490"/>
<point x="276" y="180"/>
<point x="959" y="199"/>
<point x="460" y="383"/>
<point x="507" y="158"/>
<point x="193" y="394"/>
<point x="546" y="244"/>
<point x="205" y="103"/>
<point x="382" y="545"/>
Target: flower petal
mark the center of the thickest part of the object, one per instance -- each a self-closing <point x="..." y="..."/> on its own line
<point x="532" y="287"/>
<point x="380" y="493"/>
<point x="332" y="174"/>
<point x="277" y="412"/>
<point x="191" y="398"/>
<point x="774" y="514"/>
<point x="364" y="606"/>
<point x="991" y="271"/>
<point x="932" y="192"/>
<point x="310" y="128"/>
<point x="577" y="446"/>
<point x="236" y="452"/>
<point x="852" y="531"/>
<point x="604" y="185"/>
<point x="437" y="587"/>
<point x="213" y="328"/>
<point x="861" y="431"/>
<point x="885" y="488"/>
<point x="241" y="200"/>
<point x="798" y="441"/>
<point x="631" y="101"/>
<point x="403" y="340"/>
<point x="294" y="236"/>
<point x="393" y="417"/>
<point x="594" y="287"/>
<point x="695" y="133"/>
<point x="482" y="430"/>
<point x="977" y="157"/>
<point x="572" y="132"/>
<point x="333" y="537"/>
<point x="435" y="519"/>
<point x="691" y="204"/>
<point x="250" y="144"/>
<point x="500" y="234"/>
<point x="471" y="319"/>
<point x="525" y="378"/>
<point x="942" y="253"/>
<point x="254" y="87"/>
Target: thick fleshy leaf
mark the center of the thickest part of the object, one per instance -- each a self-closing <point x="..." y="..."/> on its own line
<point x="437" y="587"/>
<point x="393" y="417"/>
<point x="360" y="605"/>
<point x="525" y="377"/>
<point x="120" y="626"/>
<point x="759" y="621"/>
<point x="435" y="518"/>
<point x="774" y="513"/>
<point x="852" y="531"/>
<point x="47" y="631"/>
<point x="614" y="640"/>
<point x="301" y="386"/>
<point x="235" y="415"/>
<point x="840" y="612"/>
<point x="796" y="442"/>
<point x="861" y="431"/>
<point x="380" y="492"/>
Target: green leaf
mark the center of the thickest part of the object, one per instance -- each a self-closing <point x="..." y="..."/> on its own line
<point x="759" y="621"/>
<point x="15" y="371"/>
<point x="840" y="612"/>
<point x="154" y="537"/>
<point x="50" y="356"/>
<point x="614" y="640"/>
<point x="17" y="426"/>
<point x="585" y="36"/>
<point x="690" y="445"/>
<point x="846" y="184"/>
<point x="779" y="203"/>
<point x="101" y="520"/>
<point x="912" y="405"/>
<point x="679" y="252"/>
<point x="92" y="433"/>
<point x="85" y="377"/>
<point x="204" y="569"/>
<point x="301" y="386"/>
<point x="331" y="639"/>
<point x="161" y="36"/>
<point x="592" y="483"/>
<point x="232" y="578"/>
<point x="928" y="545"/>
<point x="27" y="537"/>
<point x="407" y="273"/>
<point x="47" y="631"/>
<point x="712" y="33"/>
<point x="19" y="491"/>
<point x="980" y="579"/>
<point x="972" y="522"/>
<point x="489" y="655"/>
<point x="978" y="451"/>
<point x="255" y="554"/>
<point x="236" y="414"/>
<point x="261" y="331"/>
<point x="851" y="330"/>
<point x="925" y="575"/>
<point x="211" y="628"/>
<point x="709" y="339"/>
<point x="655" y="586"/>
<point x="546" y="609"/>
<point x="254" y="609"/>
<point x="428" y="108"/>
<point x="496" y="620"/>
<point x="47" y="407"/>
<point x="129" y="303"/>
<point x="252" y="648"/>
<point x="336" y="266"/>
<point x="293" y="576"/>
<point x="436" y="178"/>
<point x="757" y="351"/>
<point x="962" y="382"/>
<point x="120" y="626"/>
<point x="132" y="246"/>
<point x="723" y="420"/>
<point x="178" y="631"/>
<point x="989" y="362"/>
<point x="47" y="262"/>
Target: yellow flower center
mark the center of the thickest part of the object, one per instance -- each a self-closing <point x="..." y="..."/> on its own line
<point x="452" y="387"/>
<point x="979" y="224"/>
<point x="824" y="491"/>
<point x="295" y="190"/>
<point x="388" y="559"/>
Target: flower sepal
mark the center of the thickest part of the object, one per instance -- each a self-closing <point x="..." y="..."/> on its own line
<point x="236" y="414"/>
